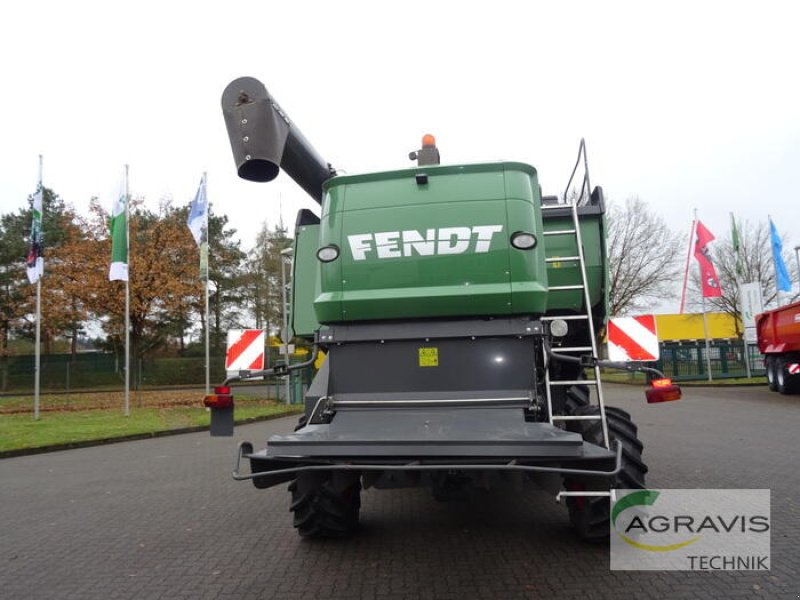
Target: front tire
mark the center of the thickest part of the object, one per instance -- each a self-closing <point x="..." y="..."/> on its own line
<point x="326" y="505"/>
<point x="590" y="514"/>
<point x="784" y="381"/>
<point x="771" y="375"/>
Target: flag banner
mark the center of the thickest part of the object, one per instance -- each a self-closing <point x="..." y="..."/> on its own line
<point x="198" y="225"/>
<point x="736" y="248"/>
<point x="752" y="303"/>
<point x="34" y="263"/>
<point x="782" y="280"/>
<point x="198" y="214"/>
<point x="708" y="274"/>
<point x="119" y="240"/>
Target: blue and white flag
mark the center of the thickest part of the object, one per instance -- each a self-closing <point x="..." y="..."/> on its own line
<point x="198" y="225"/>
<point x="782" y="280"/>
<point x="198" y="214"/>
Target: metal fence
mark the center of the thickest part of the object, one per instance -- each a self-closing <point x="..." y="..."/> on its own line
<point x="64" y="372"/>
<point x="684" y="361"/>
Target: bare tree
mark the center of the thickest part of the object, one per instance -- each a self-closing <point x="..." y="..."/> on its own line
<point x="643" y="255"/>
<point x="262" y="277"/>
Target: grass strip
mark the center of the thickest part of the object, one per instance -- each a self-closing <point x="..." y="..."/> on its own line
<point x="21" y="432"/>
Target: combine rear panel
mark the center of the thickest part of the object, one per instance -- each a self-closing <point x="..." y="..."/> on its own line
<point x="457" y="311"/>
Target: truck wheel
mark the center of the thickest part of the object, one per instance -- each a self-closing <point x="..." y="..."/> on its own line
<point x="326" y="505"/>
<point x="590" y="514"/>
<point x="784" y="382"/>
<point x="771" y="378"/>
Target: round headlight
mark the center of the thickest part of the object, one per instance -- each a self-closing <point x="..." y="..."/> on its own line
<point x="523" y="240"/>
<point x="558" y="328"/>
<point x="328" y="253"/>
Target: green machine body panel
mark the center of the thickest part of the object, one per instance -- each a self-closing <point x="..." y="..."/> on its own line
<point x="432" y="242"/>
<point x="305" y="281"/>
<point x="562" y="273"/>
<point x="435" y="242"/>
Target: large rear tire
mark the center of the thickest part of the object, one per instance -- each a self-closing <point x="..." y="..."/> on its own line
<point x="578" y="397"/>
<point x="771" y="375"/>
<point x="326" y="505"/>
<point x="590" y="514"/>
<point x="785" y="382"/>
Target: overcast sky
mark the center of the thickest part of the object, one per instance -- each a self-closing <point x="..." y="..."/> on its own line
<point x="687" y="105"/>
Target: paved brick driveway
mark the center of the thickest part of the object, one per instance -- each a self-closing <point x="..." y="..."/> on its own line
<point x="162" y="519"/>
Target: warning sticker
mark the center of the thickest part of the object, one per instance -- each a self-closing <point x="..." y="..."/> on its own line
<point x="428" y="357"/>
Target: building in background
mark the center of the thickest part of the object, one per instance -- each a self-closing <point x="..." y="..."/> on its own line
<point x="686" y="327"/>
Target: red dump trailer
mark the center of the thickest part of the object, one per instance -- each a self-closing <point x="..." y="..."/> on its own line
<point x="779" y="340"/>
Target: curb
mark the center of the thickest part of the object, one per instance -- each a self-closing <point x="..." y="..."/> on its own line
<point x="127" y="438"/>
<point x="104" y="390"/>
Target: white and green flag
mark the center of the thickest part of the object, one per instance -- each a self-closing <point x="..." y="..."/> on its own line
<point x="119" y="240"/>
<point x="34" y="263"/>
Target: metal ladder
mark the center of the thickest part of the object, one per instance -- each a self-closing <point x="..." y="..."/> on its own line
<point x="587" y="316"/>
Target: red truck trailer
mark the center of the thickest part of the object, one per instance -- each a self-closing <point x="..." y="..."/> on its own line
<point x="779" y="341"/>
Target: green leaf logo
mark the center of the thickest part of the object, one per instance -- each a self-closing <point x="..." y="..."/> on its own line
<point x="643" y="498"/>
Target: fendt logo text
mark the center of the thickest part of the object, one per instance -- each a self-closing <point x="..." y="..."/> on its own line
<point x="445" y="240"/>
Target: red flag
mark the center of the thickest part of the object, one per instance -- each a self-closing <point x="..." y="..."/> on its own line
<point x="708" y="274"/>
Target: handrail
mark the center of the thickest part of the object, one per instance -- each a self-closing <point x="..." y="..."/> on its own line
<point x="417" y="466"/>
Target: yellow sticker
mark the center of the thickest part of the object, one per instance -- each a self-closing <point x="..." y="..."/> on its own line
<point x="428" y="357"/>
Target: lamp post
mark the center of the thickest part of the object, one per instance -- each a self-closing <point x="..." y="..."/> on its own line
<point x="286" y="258"/>
<point x="797" y="257"/>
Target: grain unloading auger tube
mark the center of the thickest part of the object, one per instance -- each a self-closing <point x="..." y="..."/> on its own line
<point x="457" y="309"/>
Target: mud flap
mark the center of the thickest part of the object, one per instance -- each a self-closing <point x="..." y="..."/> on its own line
<point x="222" y="421"/>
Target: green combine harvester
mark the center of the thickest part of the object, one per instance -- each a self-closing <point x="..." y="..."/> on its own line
<point x="458" y="309"/>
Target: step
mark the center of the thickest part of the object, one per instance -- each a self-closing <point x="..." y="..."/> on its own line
<point x="560" y="288"/>
<point x="428" y="435"/>
<point x="573" y="349"/>
<point x="576" y="418"/>
<point x="586" y="494"/>
<point x="574" y="382"/>
<point x="556" y="259"/>
<point x="564" y="317"/>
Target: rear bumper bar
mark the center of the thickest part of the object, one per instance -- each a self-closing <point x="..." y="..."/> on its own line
<point x="267" y="471"/>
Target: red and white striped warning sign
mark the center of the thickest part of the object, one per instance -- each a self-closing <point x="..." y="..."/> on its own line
<point x="794" y="368"/>
<point x="632" y="338"/>
<point x="245" y="350"/>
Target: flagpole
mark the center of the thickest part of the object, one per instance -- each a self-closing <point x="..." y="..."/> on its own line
<point x="702" y="304"/>
<point x="688" y="256"/>
<point x="37" y="367"/>
<point x="737" y="271"/>
<point x="705" y="334"/>
<point x="37" y="343"/>
<point x="208" y="354"/>
<point x="127" y="409"/>
<point x="208" y="268"/>
<point x="775" y="268"/>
